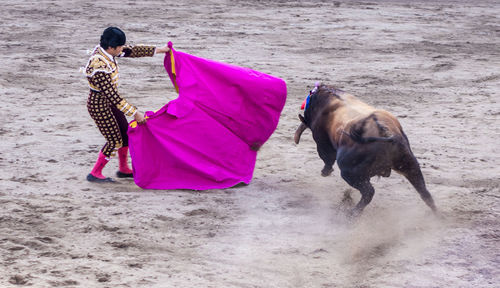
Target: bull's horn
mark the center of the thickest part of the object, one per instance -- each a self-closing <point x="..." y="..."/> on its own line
<point x="298" y="132"/>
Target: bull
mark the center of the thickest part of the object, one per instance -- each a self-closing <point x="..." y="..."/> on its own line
<point x="365" y="142"/>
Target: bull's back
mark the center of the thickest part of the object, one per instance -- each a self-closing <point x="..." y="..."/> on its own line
<point x="356" y="116"/>
<point x="348" y="109"/>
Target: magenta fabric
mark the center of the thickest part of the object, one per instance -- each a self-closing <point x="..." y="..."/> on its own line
<point x="204" y="138"/>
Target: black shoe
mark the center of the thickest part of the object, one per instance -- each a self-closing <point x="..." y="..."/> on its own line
<point x="92" y="178"/>
<point x="120" y="174"/>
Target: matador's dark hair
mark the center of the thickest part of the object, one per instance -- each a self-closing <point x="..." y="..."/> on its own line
<point x="112" y="37"/>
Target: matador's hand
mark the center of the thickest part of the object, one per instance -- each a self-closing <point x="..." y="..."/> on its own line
<point x="163" y="49"/>
<point x="139" y="117"/>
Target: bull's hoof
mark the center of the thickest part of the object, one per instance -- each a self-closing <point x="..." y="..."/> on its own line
<point x="354" y="214"/>
<point x="326" y="172"/>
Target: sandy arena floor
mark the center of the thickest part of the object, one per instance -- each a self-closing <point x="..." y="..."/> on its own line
<point x="434" y="64"/>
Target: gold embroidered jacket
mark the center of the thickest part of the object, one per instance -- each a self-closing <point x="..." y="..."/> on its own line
<point x="102" y="74"/>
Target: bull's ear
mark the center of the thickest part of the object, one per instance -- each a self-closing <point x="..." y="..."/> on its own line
<point x="302" y="119"/>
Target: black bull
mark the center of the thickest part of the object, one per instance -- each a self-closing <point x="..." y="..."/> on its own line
<point x="364" y="141"/>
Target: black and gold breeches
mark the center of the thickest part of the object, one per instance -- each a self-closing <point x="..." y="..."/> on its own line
<point x="111" y="122"/>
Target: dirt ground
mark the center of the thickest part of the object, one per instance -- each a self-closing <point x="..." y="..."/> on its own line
<point x="434" y="64"/>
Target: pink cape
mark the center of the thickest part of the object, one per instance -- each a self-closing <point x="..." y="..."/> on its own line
<point x="204" y="138"/>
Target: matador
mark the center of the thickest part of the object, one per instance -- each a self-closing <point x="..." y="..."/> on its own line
<point x="105" y="105"/>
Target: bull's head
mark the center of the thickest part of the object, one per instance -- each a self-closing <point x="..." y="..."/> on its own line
<point x="318" y="99"/>
<point x="306" y="106"/>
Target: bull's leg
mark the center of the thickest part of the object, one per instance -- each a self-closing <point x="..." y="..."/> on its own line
<point x="365" y="188"/>
<point x="325" y="151"/>
<point x="328" y="154"/>
<point x="408" y="166"/>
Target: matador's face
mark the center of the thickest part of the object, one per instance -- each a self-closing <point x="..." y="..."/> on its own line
<point x="115" y="51"/>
